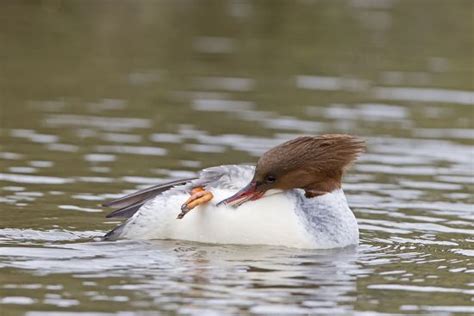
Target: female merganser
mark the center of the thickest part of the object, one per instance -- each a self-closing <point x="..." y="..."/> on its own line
<point x="294" y="199"/>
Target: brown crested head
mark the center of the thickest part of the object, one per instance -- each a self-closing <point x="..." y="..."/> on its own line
<point x="313" y="163"/>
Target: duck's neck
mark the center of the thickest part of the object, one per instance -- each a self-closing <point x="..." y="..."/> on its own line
<point x="318" y="188"/>
<point x="329" y="217"/>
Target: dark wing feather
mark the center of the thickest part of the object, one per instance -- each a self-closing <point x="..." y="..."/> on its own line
<point x="145" y="193"/>
<point x="129" y="204"/>
<point x="127" y="211"/>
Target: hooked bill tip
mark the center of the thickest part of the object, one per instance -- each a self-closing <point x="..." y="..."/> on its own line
<point x="234" y="203"/>
<point x="221" y="203"/>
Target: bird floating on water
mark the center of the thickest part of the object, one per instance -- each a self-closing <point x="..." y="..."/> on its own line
<point x="292" y="197"/>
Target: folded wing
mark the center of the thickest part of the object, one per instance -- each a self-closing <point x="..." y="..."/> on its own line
<point x="129" y="204"/>
<point x="227" y="176"/>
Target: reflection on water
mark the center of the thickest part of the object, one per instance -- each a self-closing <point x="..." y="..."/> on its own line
<point x="100" y="99"/>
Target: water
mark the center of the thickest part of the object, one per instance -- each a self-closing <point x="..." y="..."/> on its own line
<point x="99" y="99"/>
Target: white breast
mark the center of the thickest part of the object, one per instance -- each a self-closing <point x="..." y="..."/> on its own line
<point x="285" y="219"/>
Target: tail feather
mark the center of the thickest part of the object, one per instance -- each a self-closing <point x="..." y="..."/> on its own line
<point x="115" y="233"/>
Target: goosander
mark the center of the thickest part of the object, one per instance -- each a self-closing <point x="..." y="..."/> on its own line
<point x="292" y="197"/>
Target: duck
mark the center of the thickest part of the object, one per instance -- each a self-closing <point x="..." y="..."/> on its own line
<point x="291" y="197"/>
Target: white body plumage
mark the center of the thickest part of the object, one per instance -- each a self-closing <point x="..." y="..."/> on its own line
<point x="279" y="218"/>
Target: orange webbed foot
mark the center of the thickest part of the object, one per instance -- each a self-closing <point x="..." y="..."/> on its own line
<point x="198" y="196"/>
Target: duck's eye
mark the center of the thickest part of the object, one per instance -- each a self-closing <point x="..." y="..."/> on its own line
<point x="270" y="179"/>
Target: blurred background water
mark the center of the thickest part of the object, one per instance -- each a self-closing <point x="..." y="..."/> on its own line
<point x="98" y="98"/>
